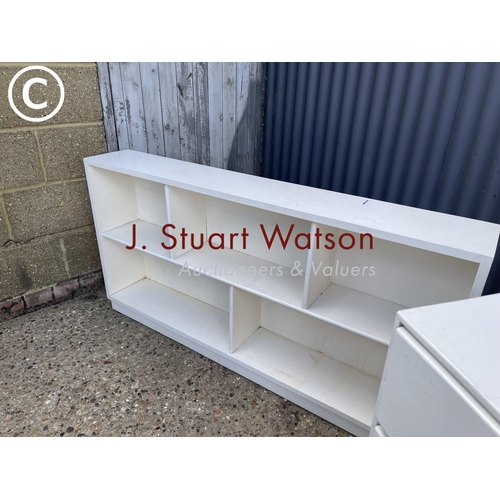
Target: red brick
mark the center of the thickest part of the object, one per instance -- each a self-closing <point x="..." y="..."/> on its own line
<point x="93" y="280"/>
<point x="39" y="297"/>
<point x="66" y="289"/>
<point x="11" y="305"/>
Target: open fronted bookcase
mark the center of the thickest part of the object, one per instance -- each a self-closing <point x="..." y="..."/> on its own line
<point x="294" y="287"/>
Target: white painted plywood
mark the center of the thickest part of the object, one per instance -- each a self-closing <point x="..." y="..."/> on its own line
<point x="225" y="217"/>
<point x="316" y="280"/>
<point x="450" y="235"/>
<point x="212" y="292"/>
<point x="243" y="270"/>
<point x="419" y="397"/>
<point x="465" y="337"/>
<point x="354" y="311"/>
<point x="244" y="317"/>
<point x="357" y="312"/>
<point x="197" y="320"/>
<point x="113" y="198"/>
<point x="122" y="268"/>
<point x="324" y="380"/>
<point x="147" y="235"/>
<point x="229" y="266"/>
<point x="400" y="273"/>
<point x="151" y="204"/>
<point x="186" y="209"/>
<point x="340" y="344"/>
<point x="199" y="199"/>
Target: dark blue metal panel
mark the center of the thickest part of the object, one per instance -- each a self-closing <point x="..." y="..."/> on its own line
<point x="420" y="134"/>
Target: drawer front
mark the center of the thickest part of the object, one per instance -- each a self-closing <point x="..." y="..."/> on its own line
<point x="419" y="397"/>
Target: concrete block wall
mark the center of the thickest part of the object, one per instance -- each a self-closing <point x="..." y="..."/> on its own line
<point x="46" y="227"/>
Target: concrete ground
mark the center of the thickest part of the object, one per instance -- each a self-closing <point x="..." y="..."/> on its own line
<point x="79" y="368"/>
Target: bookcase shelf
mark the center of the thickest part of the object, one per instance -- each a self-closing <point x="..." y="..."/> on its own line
<point x="197" y="320"/>
<point x="327" y="382"/>
<point x="356" y="311"/>
<point x="226" y="265"/>
<point x="311" y="322"/>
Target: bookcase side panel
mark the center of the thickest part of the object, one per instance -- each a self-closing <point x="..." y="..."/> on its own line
<point x="481" y="277"/>
<point x="113" y="198"/>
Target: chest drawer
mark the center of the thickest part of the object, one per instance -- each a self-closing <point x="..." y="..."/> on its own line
<point x="419" y="397"/>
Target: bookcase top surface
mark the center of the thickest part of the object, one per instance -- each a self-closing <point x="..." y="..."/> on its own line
<point x="465" y="336"/>
<point x="452" y="235"/>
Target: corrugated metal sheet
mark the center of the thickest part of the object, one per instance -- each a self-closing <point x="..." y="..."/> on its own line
<point x="420" y="134"/>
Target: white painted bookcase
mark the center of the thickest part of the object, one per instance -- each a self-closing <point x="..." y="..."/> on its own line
<point x="318" y="340"/>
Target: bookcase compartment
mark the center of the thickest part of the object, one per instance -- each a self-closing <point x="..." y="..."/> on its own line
<point x="336" y="367"/>
<point x="262" y="261"/>
<point x="119" y="199"/>
<point x="197" y="308"/>
<point x="363" y="287"/>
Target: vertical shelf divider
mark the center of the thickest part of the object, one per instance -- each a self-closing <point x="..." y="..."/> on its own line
<point x="244" y="316"/>
<point x="315" y="280"/>
<point x="170" y="253"/>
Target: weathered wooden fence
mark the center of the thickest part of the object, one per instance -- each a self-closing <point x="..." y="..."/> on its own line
<point x="208" y="113"/>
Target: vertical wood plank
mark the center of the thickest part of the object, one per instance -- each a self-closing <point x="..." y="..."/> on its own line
<point x="252" y="112"/>
<point x="150" y="84"/>
<point x="242" y="95"/>
<point x="207" y="113"/>
<point x="185" y="100"/>
<point x="201" y="113"/>
<point x="107" y="106"/>
<point x="215" y="113"/>
<point x="170" y="110"/>
<point x="259" y="124"/>
<point x="228" y="106"/>
<point x="121" y="122"/>
<point x="134" y="106"/>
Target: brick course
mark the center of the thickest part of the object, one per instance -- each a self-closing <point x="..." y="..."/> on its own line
<point x="62" y="291"/>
